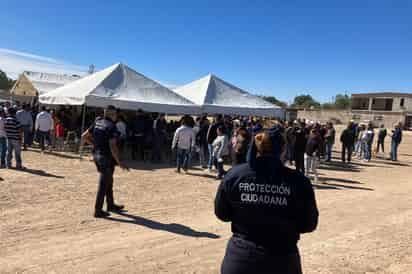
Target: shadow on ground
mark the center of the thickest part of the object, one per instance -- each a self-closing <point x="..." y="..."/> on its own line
<point x="42" y="173"/>
<point x="172" y="228"/>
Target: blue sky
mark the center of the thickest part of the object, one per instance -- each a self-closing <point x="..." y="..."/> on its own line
<point x="280" y="48"/>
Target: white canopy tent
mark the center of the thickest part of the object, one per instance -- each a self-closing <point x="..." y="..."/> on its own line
<point x="31" y="83"/>
<point x="216" y="96"/>
<point x="121" y="87"/>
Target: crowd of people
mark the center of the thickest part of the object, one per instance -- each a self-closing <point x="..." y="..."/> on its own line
<point x="211" y="143"/>
<point x="21" y="127"/>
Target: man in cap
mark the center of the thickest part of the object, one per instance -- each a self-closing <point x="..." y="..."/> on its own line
<point x="103" y="135"/>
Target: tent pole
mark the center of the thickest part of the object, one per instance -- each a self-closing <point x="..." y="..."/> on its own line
<point x="82" y="130"/>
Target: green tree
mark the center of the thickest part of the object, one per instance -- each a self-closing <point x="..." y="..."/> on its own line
<point x="305" y="101"/>
<point x="275" y="101"/>
<point x="342" y="101"/>
<point x="5" y="82"/>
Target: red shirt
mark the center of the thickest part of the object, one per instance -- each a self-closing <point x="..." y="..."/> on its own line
<point x="59" y="130"/>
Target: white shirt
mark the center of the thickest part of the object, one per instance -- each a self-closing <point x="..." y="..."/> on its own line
<point x="2" y="130"/>
<point x="121" y="127"/>
<point x="184" y="138"/>
<point x="44" y="121"/>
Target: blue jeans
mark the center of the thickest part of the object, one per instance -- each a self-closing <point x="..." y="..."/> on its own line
<point x="368" y="151"/>
<point x="3" y="150"/>
<point x="210" y="162"/>
<point x="43" y="136"/>
<point x="394" y="151"/>
<point x="328" y="151"/>
<point x="16" y="146"/>
<point x="182" y="159"/>
<point x="27" y="130"/>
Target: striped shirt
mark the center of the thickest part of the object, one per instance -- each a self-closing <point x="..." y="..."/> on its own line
<point x="12" y="127"/>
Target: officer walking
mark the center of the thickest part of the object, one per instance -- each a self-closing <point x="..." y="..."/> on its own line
<point x="103" y="135"/>
<point x="269" y="206"/>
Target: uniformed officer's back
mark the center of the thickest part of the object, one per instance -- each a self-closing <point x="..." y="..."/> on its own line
<point x="103" y="135"/>
<point x="269" y="206"/>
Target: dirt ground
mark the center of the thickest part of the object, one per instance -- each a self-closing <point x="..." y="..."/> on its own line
<point x="46" y="223"/>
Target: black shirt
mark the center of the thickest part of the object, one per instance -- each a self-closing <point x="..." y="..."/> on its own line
<point x="271" y="205"/>
<point x="103" y="130"/>
<point x="313" y="146"/>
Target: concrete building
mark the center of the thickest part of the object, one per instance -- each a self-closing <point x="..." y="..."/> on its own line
<point x="386" y="108"/>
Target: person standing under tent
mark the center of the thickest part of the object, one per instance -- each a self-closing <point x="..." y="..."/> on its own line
<point x="211" y="136"/>
<point x="183" y="142"/>
<point x="266" y="229"/>
<point x="396" y="140"/>
<point x="201" y="138"/>
<point x="122" y="128"/>
<point x="103" y="135"/>
<point x="241" y="145"/>
<point x="43" y="126"/>
<point x="3" y="139"/>
<point x="59" y="135"/>
<point x="347" y="139"/>
<point x="159" y="130"/>
<point x="14" y="137"/>
<point x="25" y="118"/>
<point x="381" y="138"/>
<point x="220" y="150"/>
<point x="138" y="131"/>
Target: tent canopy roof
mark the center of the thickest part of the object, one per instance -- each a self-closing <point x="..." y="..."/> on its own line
<point x="218" y="96"/>
<point x="122" y="87"/>
<point x="43" y="82"/>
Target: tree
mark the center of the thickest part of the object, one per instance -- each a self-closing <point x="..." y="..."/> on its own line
<point x="275" y="101"/>
<point x="5" y="82"/>
<point x="342" y="101"/>
<point x="305" y="101"/>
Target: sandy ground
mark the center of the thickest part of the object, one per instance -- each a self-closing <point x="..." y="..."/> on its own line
<point x="46" y="223"/>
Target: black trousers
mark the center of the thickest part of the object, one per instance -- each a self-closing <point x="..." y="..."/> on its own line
<point x="105" y="167"/>
<point x="380" y="145"/>
<point x="347" y="150"/>
<point x="138" y="147"/>
<point x="244" y="257"/>
<point x="300" y="161"/>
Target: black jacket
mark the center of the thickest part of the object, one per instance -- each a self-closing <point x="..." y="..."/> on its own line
<point x="271" y="205"/>
<point x="347" y="137"/>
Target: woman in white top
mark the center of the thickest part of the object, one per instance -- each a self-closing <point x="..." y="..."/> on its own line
<point x="122" y="128"/>
<point x="220" y="150"/>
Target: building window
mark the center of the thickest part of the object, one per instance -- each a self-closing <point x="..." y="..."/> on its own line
<point x="402" y="104"/>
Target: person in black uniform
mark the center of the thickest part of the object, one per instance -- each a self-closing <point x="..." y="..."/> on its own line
<point x="269" y="206"/>
<point x="103" y="135"/>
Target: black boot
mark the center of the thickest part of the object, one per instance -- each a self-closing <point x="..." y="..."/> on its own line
<point x="115" y="208"/>
<point x="101" y="214"/>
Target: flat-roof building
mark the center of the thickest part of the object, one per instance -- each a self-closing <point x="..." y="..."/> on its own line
<point x="386" y="108"/>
